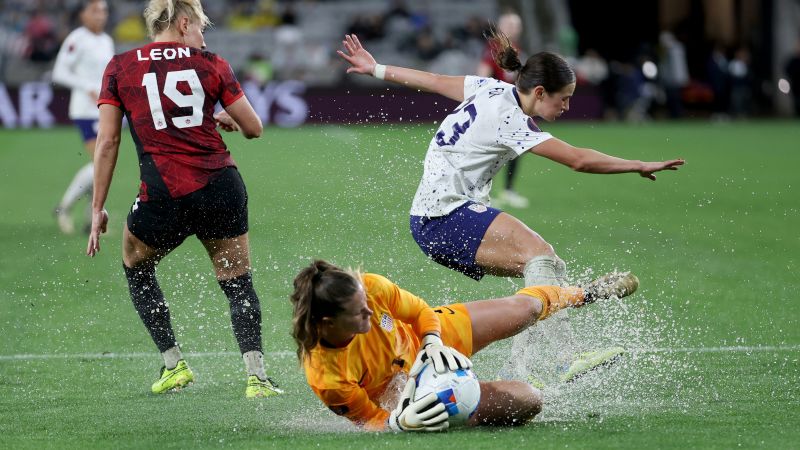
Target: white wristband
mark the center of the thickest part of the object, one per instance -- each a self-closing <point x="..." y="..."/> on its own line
<point x="379" y="72"/>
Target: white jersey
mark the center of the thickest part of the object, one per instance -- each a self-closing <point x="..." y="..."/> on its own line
<point x="79" y="66"/>
<point x="487" y="130"/>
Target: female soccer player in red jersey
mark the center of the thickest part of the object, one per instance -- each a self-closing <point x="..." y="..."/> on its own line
<point x="358" y="335"/>
<point x="451" y="218"/>
<point x="189" y="183"/>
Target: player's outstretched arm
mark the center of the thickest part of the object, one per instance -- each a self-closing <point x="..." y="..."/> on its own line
<point x="361" y="61"/>
<point x="105" y="160"/>
<point x="591" y="161"/>
<point x="240" y="116"/>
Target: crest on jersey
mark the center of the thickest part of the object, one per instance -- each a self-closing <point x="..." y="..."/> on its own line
<point x="387" y="323"/>
<point x="478" y="208"/>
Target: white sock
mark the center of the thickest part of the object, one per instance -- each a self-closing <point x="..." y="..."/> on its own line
<point x="254" y="363"/>
<point x="561" y="272"/>
<point x="542" y="271"/>
<point x="80" y="185"/>
<point x="171" y="357"/>
<point x="547" y="344"/>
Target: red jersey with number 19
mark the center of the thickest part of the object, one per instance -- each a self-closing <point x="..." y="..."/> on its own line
<point x="168" y="92"/>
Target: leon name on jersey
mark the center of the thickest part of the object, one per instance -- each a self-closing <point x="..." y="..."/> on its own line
<point x="157" y="54"/>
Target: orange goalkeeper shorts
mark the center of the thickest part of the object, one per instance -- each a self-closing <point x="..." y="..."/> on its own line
<point x="456" y="327"/>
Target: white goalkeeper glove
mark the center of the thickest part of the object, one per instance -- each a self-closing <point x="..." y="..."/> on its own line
<point x="443" y="358"/>
<point x="425" y="414"/>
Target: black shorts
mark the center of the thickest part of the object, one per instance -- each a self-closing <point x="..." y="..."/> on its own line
<point x="217" y="211"/>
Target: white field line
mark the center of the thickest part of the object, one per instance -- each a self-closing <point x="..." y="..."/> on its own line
<point x="285" y="354"/>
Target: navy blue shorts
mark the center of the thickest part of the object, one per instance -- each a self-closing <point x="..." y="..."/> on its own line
<point x="453" y="240"/>
<point x="88" y="128"/>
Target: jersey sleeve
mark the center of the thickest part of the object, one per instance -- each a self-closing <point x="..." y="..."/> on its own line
<point x="230" y="89"/>
<point x="64" y="68"/>
<point x="520" y="133"/>
<point x="109" y="94"/>
<point x="352" y="401"/>
<point x="406" y="306"/>
<point x="472" y="84"/>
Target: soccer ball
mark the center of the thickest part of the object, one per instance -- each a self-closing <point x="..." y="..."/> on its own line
<point x="459" y="391"/>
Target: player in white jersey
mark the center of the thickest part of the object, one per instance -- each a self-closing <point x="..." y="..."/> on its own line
<point x="79" y="66"/>
<point x="451" y="218"/>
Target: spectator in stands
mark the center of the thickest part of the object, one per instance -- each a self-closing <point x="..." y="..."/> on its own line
<point x="674" y="72"/>
<point x="42" y="37"/>
<point x="470" y="35"/>
<point x="591" y="68"/>
<point x="425" y="44"/>
<point x="741" y="84"/>
<point x="289" y="15"/>
<point x="717" y="71"/>
<point x="130" y="29"/>
<point x="370" y="26"/>
<point x="257" y="69"/>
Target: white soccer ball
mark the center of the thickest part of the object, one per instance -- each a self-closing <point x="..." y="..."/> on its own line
<point x="459" y="391"/>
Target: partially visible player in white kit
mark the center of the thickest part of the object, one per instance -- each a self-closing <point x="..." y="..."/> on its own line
<point x="451" y="218"/>
<point x="79" y="66"/>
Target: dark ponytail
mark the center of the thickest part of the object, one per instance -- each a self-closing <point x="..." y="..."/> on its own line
<point x="503" y="52"/>
<point x="545" y="69"/>
<point x="319" y="291"/>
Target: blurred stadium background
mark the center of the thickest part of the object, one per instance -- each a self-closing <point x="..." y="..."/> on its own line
<point x="712" y="58"/>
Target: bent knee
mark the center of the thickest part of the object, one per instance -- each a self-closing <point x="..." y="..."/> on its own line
<point x="526" y="306"/>
<point x="535" y="248"/>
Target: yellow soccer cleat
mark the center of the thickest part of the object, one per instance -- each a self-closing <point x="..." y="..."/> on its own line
<point x="615" y="284"/>
<point x="173" y="379"/>
<point x="257" y="388"/>
<point x="590" y="361"/>
<point x="535" y="382"/>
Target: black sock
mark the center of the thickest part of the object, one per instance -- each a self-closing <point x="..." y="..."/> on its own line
<point x="149" y="303"/>
<point x="245" y="311"/>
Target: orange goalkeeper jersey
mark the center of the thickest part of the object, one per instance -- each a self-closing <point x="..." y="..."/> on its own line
<point x="349" y="379"/>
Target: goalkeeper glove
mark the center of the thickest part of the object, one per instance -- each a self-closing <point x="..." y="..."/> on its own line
<point x="425" y="414"/>
<point x="443" y="358"/>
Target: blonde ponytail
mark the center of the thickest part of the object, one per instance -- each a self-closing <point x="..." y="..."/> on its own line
<point x="161" y="14"/>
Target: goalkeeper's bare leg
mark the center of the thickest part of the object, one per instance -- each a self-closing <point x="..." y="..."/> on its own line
<point x="509" y="402"/>
<point x="501" y="318"/>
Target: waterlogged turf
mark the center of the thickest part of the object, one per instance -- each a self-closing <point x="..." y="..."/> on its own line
<point x="714" y="331"/>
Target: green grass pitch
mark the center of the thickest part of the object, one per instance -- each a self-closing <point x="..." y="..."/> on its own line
<point x="714" y="331"/>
